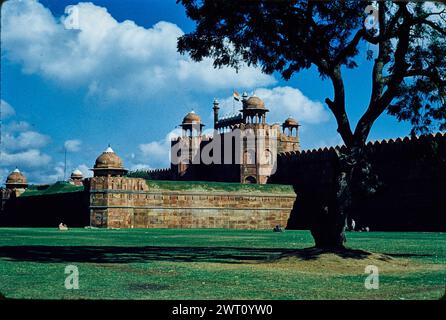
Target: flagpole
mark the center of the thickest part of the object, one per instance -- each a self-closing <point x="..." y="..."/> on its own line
<point x="65" y="165"/>
<point x="233" y="102"/>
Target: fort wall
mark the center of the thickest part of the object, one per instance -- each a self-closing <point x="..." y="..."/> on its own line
<point x="121" y="202"/>
<point x="46" y="210"/>
<point x="412" y="172"/>
<point x="154" y="174"/>
<point x="411" y="197"/>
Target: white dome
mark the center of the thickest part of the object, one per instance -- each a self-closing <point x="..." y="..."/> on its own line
<point x="76" y="174"/>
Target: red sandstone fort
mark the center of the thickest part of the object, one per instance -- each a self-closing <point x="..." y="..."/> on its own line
<point x="258" y="178"/>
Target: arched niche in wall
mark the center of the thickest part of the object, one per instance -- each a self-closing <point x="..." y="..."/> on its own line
<point x="250" y="179"/>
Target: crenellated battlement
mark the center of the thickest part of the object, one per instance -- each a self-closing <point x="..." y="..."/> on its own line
<point x="412" y="181"/>
<point x="382" y="147"/>
<point x="117" y="183"/>
<point x="153" y="174"/>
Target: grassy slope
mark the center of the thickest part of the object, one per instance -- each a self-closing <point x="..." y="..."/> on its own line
<point x="218" y="186"/>
<point x="64" y="187"/>
<point x="58" y="187"/>
<point x="214" y="264"/>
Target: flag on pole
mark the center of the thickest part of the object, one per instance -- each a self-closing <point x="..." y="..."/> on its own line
<point x="236" y="95"/>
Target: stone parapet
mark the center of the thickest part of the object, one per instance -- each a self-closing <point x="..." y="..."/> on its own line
<point x="122" y="202"/>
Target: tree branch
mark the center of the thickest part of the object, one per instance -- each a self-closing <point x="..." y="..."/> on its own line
<point x="435" y="77"/>
<point x="350" y="48"/>
<point x="430" y="24"/>
<point x="435" y="27"/>
<point x="337" y="107"/>
<point x="379" y="101"/>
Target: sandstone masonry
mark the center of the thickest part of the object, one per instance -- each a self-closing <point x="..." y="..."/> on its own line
<point x="122" y="202"/>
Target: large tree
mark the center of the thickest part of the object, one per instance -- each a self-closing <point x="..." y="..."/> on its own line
<point x="408" y="76"/>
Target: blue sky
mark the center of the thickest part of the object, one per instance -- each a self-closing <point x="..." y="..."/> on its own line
<point x="108" y="72"/>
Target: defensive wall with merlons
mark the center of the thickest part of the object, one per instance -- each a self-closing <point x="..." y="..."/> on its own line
<point x="411" y="171"/>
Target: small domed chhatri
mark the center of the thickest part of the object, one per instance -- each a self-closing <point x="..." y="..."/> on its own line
<point x="290" y="122"/>
<point x="290" y="126"/>
<point x="16" y="180"/>
<point x="255" y="102"/>
<point x="191" y="118"/>
<point x="191" y="124"/>
<point x="76" y="174"/>
<point x="109" y="164"/>
<point x="254" y="111"/>
<point x="76" y="177"/>
<point x="108" y="160"/>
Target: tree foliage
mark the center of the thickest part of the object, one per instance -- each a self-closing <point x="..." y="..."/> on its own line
<point x="409" y="71"/>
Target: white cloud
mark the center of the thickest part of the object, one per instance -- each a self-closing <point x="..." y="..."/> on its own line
<point x="73" y="145"/>
<point x="6" y="109"/>
<point x="18" y="137"/>
<point x="114" y="60"/>
<point x="16" y="126"/>
<point x="283" y="102"/>
<point x="32" y="158"/>
<point x="4" y="172"/>
<point x="24" y="140"/>
<point x="154" y="149"/>
<point x="22" y="147"/>
<point x="57" y="174"/>
<point x="154" y="154"/>
<point x="86" y="172"/>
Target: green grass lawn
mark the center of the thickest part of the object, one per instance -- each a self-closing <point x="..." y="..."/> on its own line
<point x="216" y="264"/>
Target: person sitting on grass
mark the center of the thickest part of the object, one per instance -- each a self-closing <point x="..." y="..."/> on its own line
<point x="63" y="227"/>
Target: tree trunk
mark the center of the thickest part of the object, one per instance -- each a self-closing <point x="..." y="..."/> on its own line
<point x="329" y="226"/>
<point x="353" y="181"/>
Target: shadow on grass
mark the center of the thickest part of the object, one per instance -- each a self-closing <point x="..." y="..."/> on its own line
<point x="409" y="255"/>
<point x="113" y="254"/>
